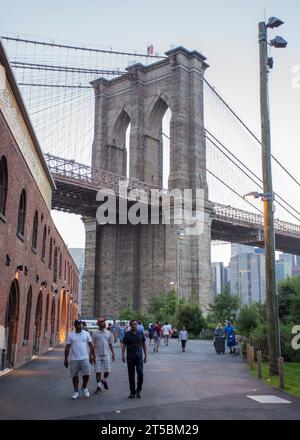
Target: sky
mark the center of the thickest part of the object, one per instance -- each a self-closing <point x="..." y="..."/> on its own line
<point x="225" y="32"/>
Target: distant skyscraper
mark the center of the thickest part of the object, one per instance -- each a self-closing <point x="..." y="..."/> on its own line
<point x="237" y="249"/>
<point x="247" y="274"/>
<point x="218" y="277"/>
<point x="284" y="266"/>
<point x="78" y="256"/>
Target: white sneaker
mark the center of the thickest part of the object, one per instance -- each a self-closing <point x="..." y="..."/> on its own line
<point x="86" y="392"/>
<point x="75" y="395"/>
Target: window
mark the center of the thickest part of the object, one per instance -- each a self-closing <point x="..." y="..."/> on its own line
<point x="22" y="214"/>
<point x="50" y="254"/>
<point x="60" y="264"/>
<point x="46" y="317"/>
<point x="28" y="315"/>
<point x="55" y="266"/>
<point x="58" y="315"/>
<point x="35" y="231"/>
<point x="44" y="243"/>
<point x="3" y="184"/>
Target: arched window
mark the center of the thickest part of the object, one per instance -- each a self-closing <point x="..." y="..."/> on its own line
<point x="3" y="184"/>
<point x="55" y="266"/>
<point x="28" y="315"/>
<point x="35" y="231"/>
<point x="58" y="316"/>
<point x="60" y="265"/>
<point x="65" y="277"/>
<point x="22" y="214"/>
<point x="50" y="254"/>
<point x="46" y="317"/>
<point x="44" y="243"/>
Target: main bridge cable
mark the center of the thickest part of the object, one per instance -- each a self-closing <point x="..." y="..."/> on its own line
<point x="228" y="186"/>
<point x="90" y="49"/>
<point x="255" y="175"/>
<point x="248" y="129"/>
<point x="135" y="54"/>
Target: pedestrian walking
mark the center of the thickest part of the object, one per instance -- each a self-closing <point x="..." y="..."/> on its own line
<point x="103" y="342"/>
<point x="150" y="333"/>
<point x="166" y="329"/>
<point x="135" y="343"/>
<point x="183" y="336"/>
<point x="79" y="344"/>
<point x="156" y="336"/>
<point x="229" y="331"/>
<point x="114" y="331"/>
<point x="121" y="332"/>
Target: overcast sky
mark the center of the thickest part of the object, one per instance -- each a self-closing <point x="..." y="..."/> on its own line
<point x="225" y="32"/>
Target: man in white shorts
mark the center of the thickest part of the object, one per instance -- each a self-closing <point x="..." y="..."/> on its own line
<point x="103" y="341"/>
<point x="78" y="343"/>
<point x="166" y="330"/>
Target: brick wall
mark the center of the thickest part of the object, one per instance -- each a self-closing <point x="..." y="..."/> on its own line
<point x="36" y="274"/>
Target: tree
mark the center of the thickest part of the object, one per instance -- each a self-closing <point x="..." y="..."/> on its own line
<point x="249" y="317"/>
<point x="162" y="307"/>
<point x="190" y="316"/>
<point x="225" y="306"/>
<point x="289" y="300"/>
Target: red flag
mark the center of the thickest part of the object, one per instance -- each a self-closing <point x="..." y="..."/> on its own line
<point x="150" y="50"/>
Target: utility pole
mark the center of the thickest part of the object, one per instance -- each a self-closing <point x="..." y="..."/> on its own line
<point x="268" y="199"/>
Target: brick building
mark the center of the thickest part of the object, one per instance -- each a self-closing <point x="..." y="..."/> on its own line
<point x="38" y="277"/>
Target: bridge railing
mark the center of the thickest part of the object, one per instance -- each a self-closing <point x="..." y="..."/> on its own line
<point x="101" y="179"/>
<point x="246" y="217"/>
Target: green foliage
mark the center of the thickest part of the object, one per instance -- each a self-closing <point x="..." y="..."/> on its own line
<point x="289" y="300"/>
<point x="128" y="313"/>
<point x="251" y="316"/>
<point x="225" y="306"/>
<point x="190" y="316"/>
<point x="162" y="307"/>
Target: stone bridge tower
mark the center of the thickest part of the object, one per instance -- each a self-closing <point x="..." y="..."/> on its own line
<point x="131" y="263"/>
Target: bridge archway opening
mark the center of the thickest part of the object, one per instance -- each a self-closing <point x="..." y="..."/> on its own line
<point x="127" y="146"/>
<point x="166" y="121"/>
<point x="119" y="158"/>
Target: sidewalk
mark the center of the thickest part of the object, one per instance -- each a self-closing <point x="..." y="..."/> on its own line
<point x="196" y="385"/>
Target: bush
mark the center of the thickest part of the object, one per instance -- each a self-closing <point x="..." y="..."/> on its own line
<point x="250" y="317"/>
<point x="190" y="316"/>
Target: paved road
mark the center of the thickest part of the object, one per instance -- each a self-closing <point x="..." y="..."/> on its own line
<point x="196" y="385"/>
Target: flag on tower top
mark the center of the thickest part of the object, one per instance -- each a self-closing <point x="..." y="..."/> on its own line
<point x="150" y="50"/>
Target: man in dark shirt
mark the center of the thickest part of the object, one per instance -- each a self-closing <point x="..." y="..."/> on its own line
<point x="134" y="341"/>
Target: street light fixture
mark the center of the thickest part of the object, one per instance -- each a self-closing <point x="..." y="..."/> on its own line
<point x="180" y="233"/>
<point x="269" y="232"/>
<point x="257" y="195"/>
<point x="278" y="42"/>
<point x="274" y="22"/>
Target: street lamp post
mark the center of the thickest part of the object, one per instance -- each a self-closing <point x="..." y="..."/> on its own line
<point x="268" y="196"/>
<point x="180" y="232"/>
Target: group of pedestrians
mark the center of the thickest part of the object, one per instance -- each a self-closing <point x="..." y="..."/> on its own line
<point x="226" y="332"/>
<point x="156" y="332"/>
<point x="85" y="350"/>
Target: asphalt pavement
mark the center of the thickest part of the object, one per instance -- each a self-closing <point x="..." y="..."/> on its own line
<point x="195" y="385"/>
